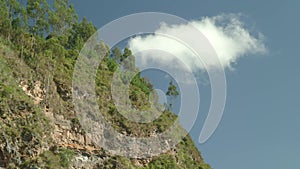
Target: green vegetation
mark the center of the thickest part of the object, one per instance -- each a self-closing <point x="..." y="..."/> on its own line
<point x="172" y="93"/>
<point x="39" y="45"/>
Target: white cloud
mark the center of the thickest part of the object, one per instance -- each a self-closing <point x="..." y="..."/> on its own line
<point x="226" y="33"/>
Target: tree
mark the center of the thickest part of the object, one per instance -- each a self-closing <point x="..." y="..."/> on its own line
<point x="4" y="20"/>
<point x="172" y="93"/>
<point x="127" y="52"/>
<point x="37" y="11"/>
<point x="112" y="64"/>
<point x="128" y="60"/>
<point x="80" y="33"/>
<point x="129" y="64"/>
<point x="116" y="54"/>
<point x="62" y="17"/>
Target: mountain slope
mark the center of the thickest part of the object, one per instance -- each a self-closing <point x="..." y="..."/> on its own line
<point x="39" y="127"/>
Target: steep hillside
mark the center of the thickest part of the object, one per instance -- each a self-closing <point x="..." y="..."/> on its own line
<point x="39" y="127"/>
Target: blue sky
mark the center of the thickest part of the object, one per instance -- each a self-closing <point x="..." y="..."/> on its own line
<point x="260" y="125"/>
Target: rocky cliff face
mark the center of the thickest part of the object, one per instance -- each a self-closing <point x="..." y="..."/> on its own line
<point x="39" y="127"/>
